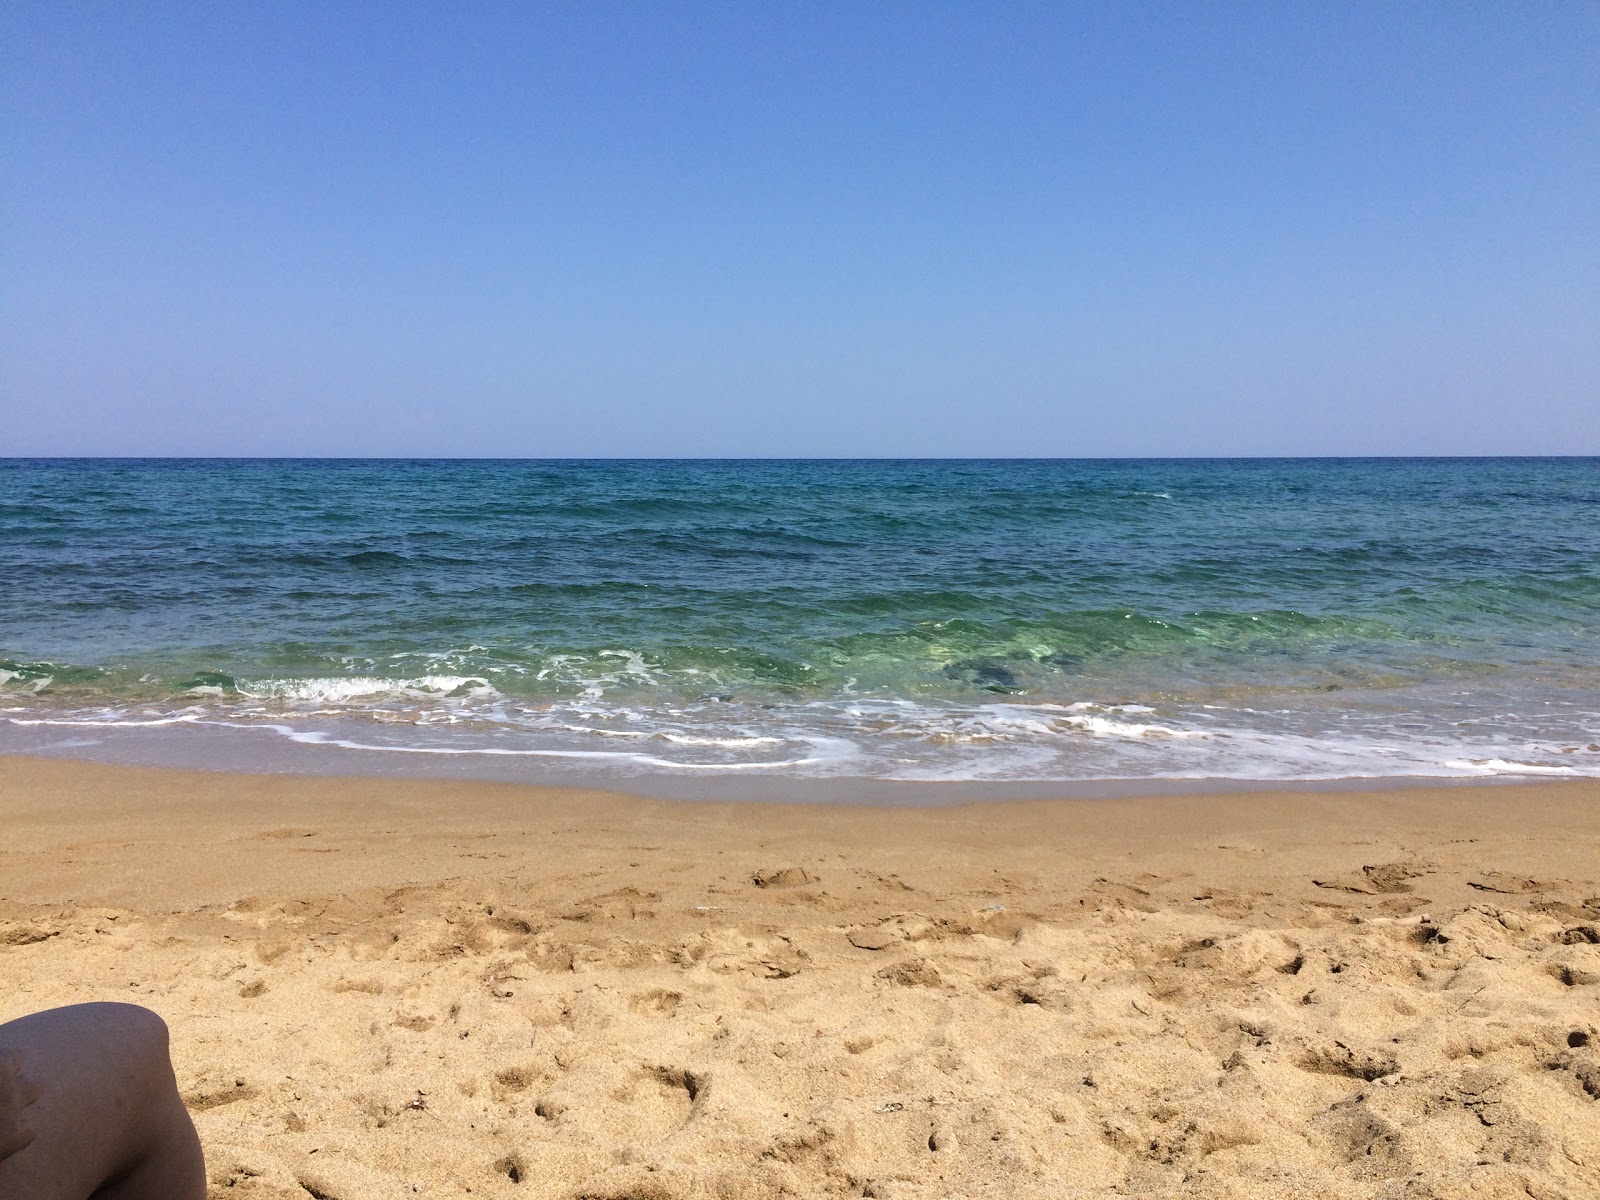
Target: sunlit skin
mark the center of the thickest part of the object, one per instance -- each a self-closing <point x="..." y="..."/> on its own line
<point x="89" y="1108"/>
<point x="17" y="1094"/>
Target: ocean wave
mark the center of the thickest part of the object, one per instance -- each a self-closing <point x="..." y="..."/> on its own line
<point x="352" y="690"/>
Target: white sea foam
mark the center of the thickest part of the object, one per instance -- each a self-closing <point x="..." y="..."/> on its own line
<point x="994" y="723"/>
<point x="683" y="739"/>
<point x="594" y="731"/>
<point x="1500" y="766"/>
<point x="364" y="689"/>
<point x="1091" y="706"/>
<point x="318" y="738"/>
<point x="1105" y="727"/>
<point x="462" y="716"/>
<point x="106" y="719"/>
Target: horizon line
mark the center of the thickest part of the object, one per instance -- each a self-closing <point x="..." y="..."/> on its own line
<point x="820" y="458"/>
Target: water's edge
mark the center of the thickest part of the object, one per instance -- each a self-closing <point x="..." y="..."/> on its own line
<point x="225" y="753"/>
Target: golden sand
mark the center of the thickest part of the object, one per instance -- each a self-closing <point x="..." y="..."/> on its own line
<point x="399" y="988"/>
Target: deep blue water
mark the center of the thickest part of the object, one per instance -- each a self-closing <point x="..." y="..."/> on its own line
<point x="902" y="619"/>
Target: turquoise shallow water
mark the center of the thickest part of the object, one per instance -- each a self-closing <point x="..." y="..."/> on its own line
<point x="1039" y="620"/>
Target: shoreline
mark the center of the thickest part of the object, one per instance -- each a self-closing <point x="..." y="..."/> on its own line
<point x="389" y="987"/>
<point x="228" y="751"/>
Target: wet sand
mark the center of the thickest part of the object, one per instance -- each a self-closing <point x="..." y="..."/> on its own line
<point x="394" y="988"/>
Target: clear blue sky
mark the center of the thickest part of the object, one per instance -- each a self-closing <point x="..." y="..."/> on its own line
<point x="799" y="228"/>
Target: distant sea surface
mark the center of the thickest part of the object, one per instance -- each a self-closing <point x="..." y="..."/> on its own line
<point x="872" y="620"/>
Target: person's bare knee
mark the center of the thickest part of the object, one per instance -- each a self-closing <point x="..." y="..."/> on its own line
<point x="170" y="1165"/>
<point x="110" y="1122"/>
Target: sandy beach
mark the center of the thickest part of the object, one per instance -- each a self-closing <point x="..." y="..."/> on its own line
<point x="386" y="988"/>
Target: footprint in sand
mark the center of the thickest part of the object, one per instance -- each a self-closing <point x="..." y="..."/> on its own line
<point x="873" y="939"/>
<point x="1377" y="879"/>
<point x="25" y="935"/>
<point x="511" y="1167"/>
<point x="1340" y="1059"/>
<point x="782" y="877"/>
<point x="512" y="1081"/>
<point x="659" y="1101"/>
<point x="209" y="1095"/>
<point x="656" y="1000"/>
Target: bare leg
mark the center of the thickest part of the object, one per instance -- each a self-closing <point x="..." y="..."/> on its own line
<point x="109" y="1123"/>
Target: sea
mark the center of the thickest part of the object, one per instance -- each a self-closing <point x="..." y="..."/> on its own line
<point x="757" y="626"/>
